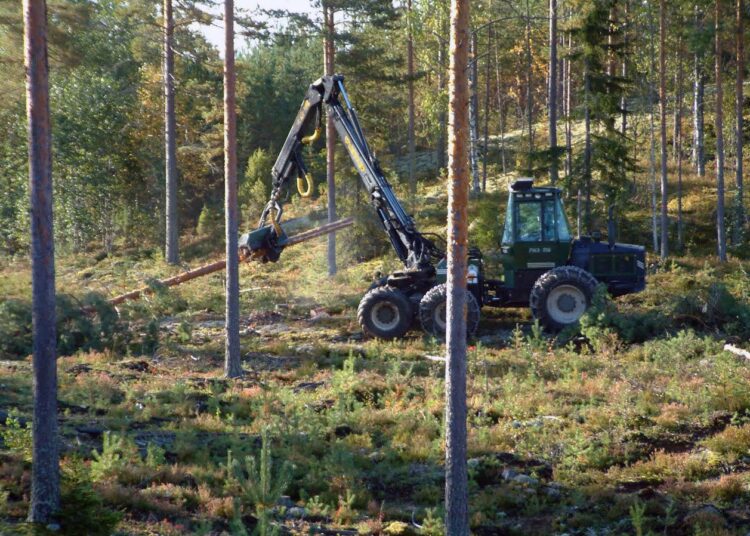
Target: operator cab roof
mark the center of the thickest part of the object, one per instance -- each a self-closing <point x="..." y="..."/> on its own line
<point x="526" y="184"/>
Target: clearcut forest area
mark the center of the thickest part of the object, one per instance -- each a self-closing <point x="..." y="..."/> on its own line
<point x="593" y="407"/>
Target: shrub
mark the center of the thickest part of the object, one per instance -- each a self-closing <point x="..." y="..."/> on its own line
<point x="82" y="510"/>
<point x="15" y="329"/>
<point x="17" y="437"/>
<point x="255" y="188"/>
<point x="117" y="453"/>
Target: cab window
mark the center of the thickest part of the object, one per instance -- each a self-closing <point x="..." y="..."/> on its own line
<point x="535" y="221"/>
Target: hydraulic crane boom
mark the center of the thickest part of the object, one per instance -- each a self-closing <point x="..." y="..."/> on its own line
<point x="416" y="251"/>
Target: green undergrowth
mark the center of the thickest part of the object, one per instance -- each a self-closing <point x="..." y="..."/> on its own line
<point x="636" y="422"/>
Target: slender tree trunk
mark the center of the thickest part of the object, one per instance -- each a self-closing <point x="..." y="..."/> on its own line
<point x="624" y="71"/>
<point x="678" y="145"/>
<point x="587" y="151"/>
<point x="410" y="71"/>
<point x="663" y="126"/>
<point x="568" y="113"/>
<point x="232" y="357"/>
<point x="501" y="110"/>
<point x="329" y="58"/>
<point x="170" y="144"/>
<point x="552" y="104"/>
<point x="739" y="215"/>
<point x="699" y="89"/>
<point x="488" y="67"/>
<point x="473" y="116"/>
<point x="721" y="231"/>
<point x="529" y="91"/>
<point x="652" y="136"/>
<point x="442" y="115"/>
<point x="456" y="471"/>
<point x="45" y="477"/>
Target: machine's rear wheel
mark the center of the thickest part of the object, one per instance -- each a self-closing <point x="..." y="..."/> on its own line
<point x="385" y="313"/>
<point x="561" y="296"/>
<point x="433" y="312"/>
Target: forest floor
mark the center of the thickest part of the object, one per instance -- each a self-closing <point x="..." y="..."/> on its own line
<point x="637" y="424"/>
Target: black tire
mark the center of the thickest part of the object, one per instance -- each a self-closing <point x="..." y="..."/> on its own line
<point x="432" y="311"/>
<point x="561" y="296"/>
<point x="385" y="313"/>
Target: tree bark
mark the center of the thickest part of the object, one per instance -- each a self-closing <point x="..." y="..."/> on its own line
<point x="652" y="137"/>
<point x="410" y="85"/>
<point x="552" y="104"/>
<point x="663" y="127"/>
<point x="739" y="215"/>
<point x="456" y="471"/>
<point x="720" y="229"/>
<point x="232" y="357"/>
<point x="45" y="478"/>
<point x="329" y="53"/>
<point x="170" y="145"/>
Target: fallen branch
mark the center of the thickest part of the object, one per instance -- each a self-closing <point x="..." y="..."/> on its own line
<point x="737" y="351"/>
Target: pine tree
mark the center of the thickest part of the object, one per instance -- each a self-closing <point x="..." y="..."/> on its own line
<point x="45" y="479"/>
<point x="456" y="475"/>
<point x="232" y="357"/>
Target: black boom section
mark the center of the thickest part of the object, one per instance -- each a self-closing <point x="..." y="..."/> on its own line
<point x="415" y="250"/>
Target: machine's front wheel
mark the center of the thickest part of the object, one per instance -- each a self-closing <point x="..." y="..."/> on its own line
<point x="561" y="296"/>
<point x="385" y="312"/>
<point x="433" y="312"/>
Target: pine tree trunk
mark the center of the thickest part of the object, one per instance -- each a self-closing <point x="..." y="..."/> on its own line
<point x="329" y="56"/>
<point x="720" y="228"/>
<point x="502" y="111"/>
<point x="410" y="85"/>
<point x="45" y="478"/>
<point x="456" y="471"/>
<point x="663" y="127"/>
<point x="739" y="215"/>
<point x="552" y="104"/>
<point x="232" y="357"/>
<point x="170" y="144"/>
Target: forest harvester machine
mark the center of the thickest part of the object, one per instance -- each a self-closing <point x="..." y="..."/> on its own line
<point x="543" y="266"/>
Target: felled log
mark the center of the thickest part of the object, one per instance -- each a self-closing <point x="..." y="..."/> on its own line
<point x="222" y="264"/>
<point x="737" y="351"/>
